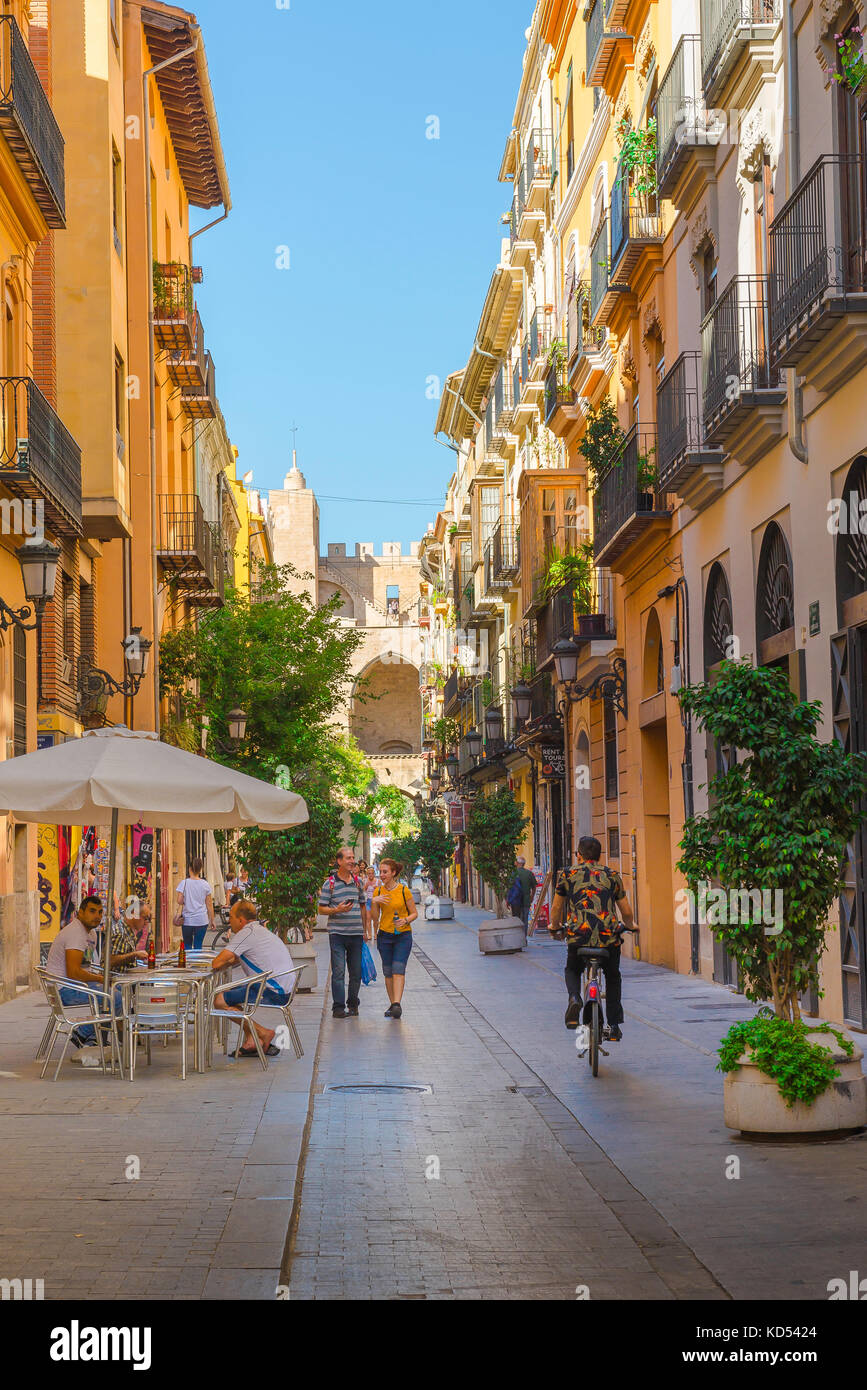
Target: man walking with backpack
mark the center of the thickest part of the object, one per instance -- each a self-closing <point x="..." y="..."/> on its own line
<point x="343" y="901"/>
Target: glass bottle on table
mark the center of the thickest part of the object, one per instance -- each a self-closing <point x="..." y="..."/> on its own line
<point x="182" y="956"/>
<point x="152" y="956"/>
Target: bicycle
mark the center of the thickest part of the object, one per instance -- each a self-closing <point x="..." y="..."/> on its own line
<point x="595" y="956"/>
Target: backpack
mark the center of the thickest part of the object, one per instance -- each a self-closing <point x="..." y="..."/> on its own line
<point x="515" y="896"/>
<point x="332" y="879"/>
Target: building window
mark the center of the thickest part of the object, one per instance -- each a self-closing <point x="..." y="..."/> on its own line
<point x="609" y="727"/>
<point x="68" y="601"/>
<point x="117" y="198"/>
<point x="392" y="601"/>
<point x="613" y="842"/>
<point x="489" y="511"/>
<point x="708" y="281"/>
<point x="570" y="127"/>
<point x="119" y="404"/>
<point x="87" y="618"/>
<point x="19" y="692"/>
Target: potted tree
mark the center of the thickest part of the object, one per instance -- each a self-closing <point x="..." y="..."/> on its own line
<point x="435" y="848"/>
<point x="774" y="840"/>
<point x="495" y="829"/>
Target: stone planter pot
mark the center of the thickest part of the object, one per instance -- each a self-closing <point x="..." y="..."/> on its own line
<point x="438" y="909"/>
<point x="304" y="953"/>
<point x="504" y="935"/>
<point x="753" y="1104"/>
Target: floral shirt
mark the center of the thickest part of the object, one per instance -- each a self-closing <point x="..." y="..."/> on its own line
<point x="591" y="891"/>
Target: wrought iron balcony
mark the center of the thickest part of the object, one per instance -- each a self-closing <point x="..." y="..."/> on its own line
<point x="174" y="315"/>
<point x="818" y="271"/>
<point x="579" y="614"/>
<point x="602" y="40"/>
<point x="40" y="461"/>
<point x="635" y="225"/>
<point x="726" y="26"/>
<point x="506" y="547"/>
<point x="187" y="546"/>
<point x="584" y="343"/>
<point x="681" y="113"/>
<point x="200" y="400"/>
<point x="539" y="339"/>
<point x="604" y="290"/>
<point x="737" y="373"/>
<point x="560" y="397"/>
<point x="627" y="501"/>
<point x="451" y="693"/>
<point x="27" y="121"/>
<point x="687" y="466"/>
<point x="534" y="178"/>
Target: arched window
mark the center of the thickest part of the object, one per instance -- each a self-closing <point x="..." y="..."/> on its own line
<point x="653" y="676"/>
<point x="850" y="557"/>
<point x="775" y="604"/>
<point x="583" y="791"/>
<point x="718" y="624"/>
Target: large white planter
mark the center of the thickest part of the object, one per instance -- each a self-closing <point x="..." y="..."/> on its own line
<point x="506" y="934"/>
<point x="753" y="1104"/>
<point x="438" y="909"/>
<point x="305" y="954"/>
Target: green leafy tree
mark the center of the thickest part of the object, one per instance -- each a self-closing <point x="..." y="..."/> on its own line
<point x="602" y="441"/>
<point x="402" y="848"/>
<point x="495" y="829"/>
<point x="434" y="846"/>
<point x="779" y="819"/>
<point x="288" y="664"/>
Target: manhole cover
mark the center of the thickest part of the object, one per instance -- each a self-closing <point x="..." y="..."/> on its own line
<point x="363" y="1088"/>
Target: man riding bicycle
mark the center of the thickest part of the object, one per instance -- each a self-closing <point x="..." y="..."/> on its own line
<point x="585" y="912"/>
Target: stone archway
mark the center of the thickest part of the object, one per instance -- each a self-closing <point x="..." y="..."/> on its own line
<point x="385" y="715"/>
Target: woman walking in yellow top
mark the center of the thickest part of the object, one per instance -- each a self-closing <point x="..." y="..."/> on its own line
<point x="393" y="915"/>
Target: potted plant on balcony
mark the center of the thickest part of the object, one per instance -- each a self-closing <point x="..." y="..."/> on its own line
<point x="602" y="442"/>
<point x="495" y="828"/>
<point x="774" y="840"/>
<point x="646" y="478"/>
<point x="854" y="68"/>
<point x="573" y="567"/>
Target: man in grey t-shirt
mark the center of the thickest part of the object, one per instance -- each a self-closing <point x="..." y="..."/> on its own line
<point x="343" y="901"/>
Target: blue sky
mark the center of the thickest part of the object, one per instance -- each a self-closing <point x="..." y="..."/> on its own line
<point x="392" y="237"/>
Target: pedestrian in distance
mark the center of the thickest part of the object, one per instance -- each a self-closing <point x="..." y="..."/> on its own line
<point x="394" y="912"/>
<point x="195" y="912"/>
<point x="342" y="900"/>
<point x="527" y="879"/>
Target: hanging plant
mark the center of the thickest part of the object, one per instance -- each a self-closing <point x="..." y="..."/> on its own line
<point x="851" y="61"/>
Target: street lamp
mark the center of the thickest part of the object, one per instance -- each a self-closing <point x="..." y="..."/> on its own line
<point x="452" y="765"/>
<point x="566" y="655"/>
<point x="435" y="780"/>
<point x="237" y="721"/>
<point x="136" y="656"/>
<point x="522" y="702"/>
<point x="473" y="742"/>
<point x="493" y="724"/>
<point x="38" y="561"/>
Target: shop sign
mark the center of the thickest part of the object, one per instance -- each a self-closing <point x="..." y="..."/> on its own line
<point x="553" y="762"/>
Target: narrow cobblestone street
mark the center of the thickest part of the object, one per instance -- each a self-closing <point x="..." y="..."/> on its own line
<point x="518" y="1176"/>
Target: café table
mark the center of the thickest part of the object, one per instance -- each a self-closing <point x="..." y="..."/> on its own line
<point x="203" y="981"/>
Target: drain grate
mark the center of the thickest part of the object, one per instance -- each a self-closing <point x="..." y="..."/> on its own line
<point x="363" y="1088"/>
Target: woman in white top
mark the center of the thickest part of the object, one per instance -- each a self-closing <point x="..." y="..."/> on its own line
<point x="196" y="904"/>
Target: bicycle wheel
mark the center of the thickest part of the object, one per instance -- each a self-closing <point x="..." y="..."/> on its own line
<point x="595" y="1038"/>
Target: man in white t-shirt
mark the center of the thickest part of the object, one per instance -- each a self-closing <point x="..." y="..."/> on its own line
<point x="255" y="949"/>
<point x="70" y="957"/>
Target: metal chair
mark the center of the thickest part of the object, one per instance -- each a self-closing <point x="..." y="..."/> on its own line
<point x="65" y="1021"/>
<point x="291" y="989"/>
<point x="156" y="1009"/>
<point x="51" y="1026"/>
<point x="253" y="986"/>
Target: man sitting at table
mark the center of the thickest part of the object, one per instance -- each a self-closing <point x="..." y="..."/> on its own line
<point x="70" y="958"/>
<point x="255" y="949"/>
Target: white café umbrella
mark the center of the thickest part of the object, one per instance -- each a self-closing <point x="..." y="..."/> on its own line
<point x="131" y="778"/>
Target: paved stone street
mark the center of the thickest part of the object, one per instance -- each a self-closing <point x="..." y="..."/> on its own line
<point x="517" y="1176"/>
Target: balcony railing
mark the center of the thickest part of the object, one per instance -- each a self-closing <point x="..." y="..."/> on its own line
<point x="200" y="400"/>
<point x="186" y="545"/>
<point x="577" y="614"/>
<point x="540" y="337"/>
<point x="536" y="168"/>
<point x="40" y="460"/>
<point x="635" y="219"/>
<point x="27" y="121"/>
<point x="599" y="261"/>
<point x="626" y="498"/>
<point x="581" y="336"/>
<point x="724" y="25"/>
<point x="681" y="120"/>
<point x="735" y="343"/>
<point x="558" y="392"/>
<point x="174" y="316"/>
<point x="503" y="401"/>
<point x="817" y="254"/>
<point x="451" y="692"/>
<point x="678" y="414"/>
